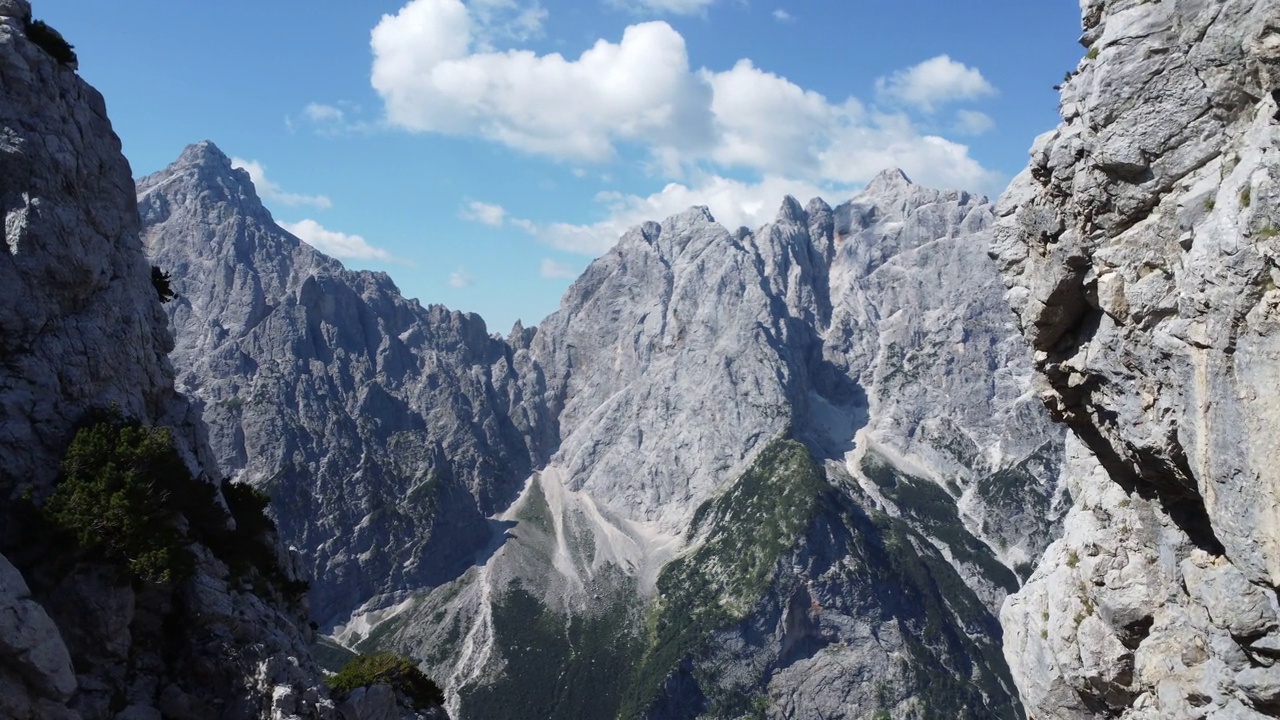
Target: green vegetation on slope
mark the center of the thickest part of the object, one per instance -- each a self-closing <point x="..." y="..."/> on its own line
<point x="559" y="666"/>
<point x="750" y="527"/>
<point x="957" y="676"/>
<point x="388" y="669"/>
<point x="952" y="641"/>
<point x="330" y="656"/>
<point x="116" y="500"/>
<point x="124" y="496"/>
<point x="51" y="41"/>
<point x="612" y="663"/>
<point x="935" y="511"/>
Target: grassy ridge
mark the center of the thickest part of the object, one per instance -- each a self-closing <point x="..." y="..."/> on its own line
<point x="558" y="666"/>
<point x="748" y="529"/>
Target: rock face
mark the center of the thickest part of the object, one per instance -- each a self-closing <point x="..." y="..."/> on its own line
<point x="35" y="667"/>
<point x="737" y="472"/>
<point x="384" y="431"/>
<point x="1141" y="251"/>
<point x="84" y="337"/>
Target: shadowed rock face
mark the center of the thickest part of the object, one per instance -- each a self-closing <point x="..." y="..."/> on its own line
<point x="385" y="431"/>
<point x="1140" y="251"/>
<point x="460" y="496"/>
<point x="82" y="333"/>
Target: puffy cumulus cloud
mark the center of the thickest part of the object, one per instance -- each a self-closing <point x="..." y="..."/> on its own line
<point x="733" y="203"/>
<point x="769" y="123"/>
<point x="484" y="213"/>
<point x="782" y="15"/>
<point x="271" y="192"/>
<point x="889" y="141"/>
<point x="553" y="270"/>
<point x="335" y="244"/>
<point x="435" y="73"/>
<point x="460" y="278"/>
<point x="667" y="7"/>
<point x="936" y="81"/>
<point x="432" y="77"/>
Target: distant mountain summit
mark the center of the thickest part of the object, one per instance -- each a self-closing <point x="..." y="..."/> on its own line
<point x="789" y="471"/>
<point x="386" y="431"/>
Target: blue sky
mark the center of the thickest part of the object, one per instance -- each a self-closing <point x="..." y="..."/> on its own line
<point x="482" y="152"/>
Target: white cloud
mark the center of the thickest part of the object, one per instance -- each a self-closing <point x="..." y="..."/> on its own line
<point x="486" y="213"/>
<point x="272" y="192"/>
<point x="331" y="120"/>
<point x="460" y="278"/>
<point x="972" y="122"/>
<point x="553" y="270"/>
<point x="934" y="82"/>
<point x="321" y="113"/>
<point x="335" y="244"/>
<point x="890" y="141"/>
<point x="435" y="73"/>
<point x="732" y="202"/>
<point x="433" y="77"/>
<point x="666" y="7"/>
<point x="782" y="15"/>
<point x="769" y="123"/>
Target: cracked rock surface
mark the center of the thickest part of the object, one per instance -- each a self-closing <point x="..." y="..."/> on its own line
<point x="1140" y="249"/>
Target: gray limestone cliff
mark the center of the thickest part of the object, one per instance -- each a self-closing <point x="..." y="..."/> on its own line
<point x="84" y="340"/>
<point x="1142" y="252"/>
<point x="385" y="432"/>
<point x="791" y="471"/>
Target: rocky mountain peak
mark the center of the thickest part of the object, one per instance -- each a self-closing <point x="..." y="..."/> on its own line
<point x="790" y="211"/>
<point x="201" y="177"/>
<point x="381" y="388"/>
<point x="403" y="443"/>
<point x="205" y="154"/>
<point x="888" y="182"/>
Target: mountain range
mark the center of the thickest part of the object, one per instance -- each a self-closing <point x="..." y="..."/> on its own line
<point x="915" y="455"/>
<point x="756" y="457"/>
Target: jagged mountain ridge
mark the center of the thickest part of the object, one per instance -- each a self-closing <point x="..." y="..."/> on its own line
<point x="808" y="329"/>
<point x="770" y="306"/>
<point x="326" y="388"/>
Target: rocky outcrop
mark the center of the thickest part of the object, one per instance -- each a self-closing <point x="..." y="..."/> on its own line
<point x="36" y="677"/>
<point x="80" y="325"/>
<point x="83" y="339"/>
<point x="1140" y="248"/>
